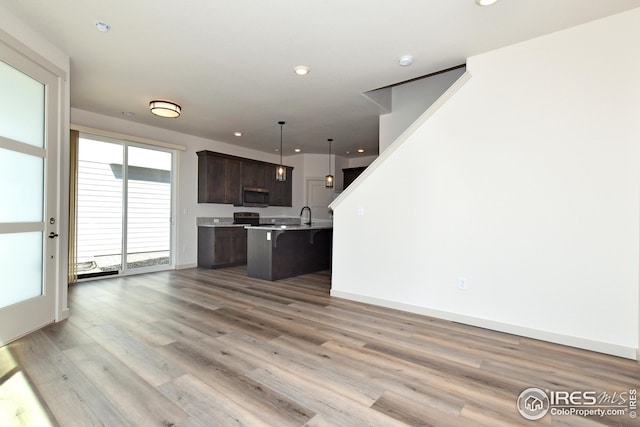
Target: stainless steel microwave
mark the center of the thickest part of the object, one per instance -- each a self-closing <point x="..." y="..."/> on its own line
<point x="255" y="196"/>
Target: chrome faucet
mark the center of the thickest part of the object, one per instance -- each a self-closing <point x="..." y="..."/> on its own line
<point x="302" y="211"/>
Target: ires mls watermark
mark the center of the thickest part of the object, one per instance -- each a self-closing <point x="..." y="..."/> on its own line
<point x="534" y="403"/>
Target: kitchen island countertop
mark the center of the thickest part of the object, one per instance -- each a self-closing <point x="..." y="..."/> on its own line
<point x="292" y="227"/>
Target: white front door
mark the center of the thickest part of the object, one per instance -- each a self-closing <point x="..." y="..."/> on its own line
<point x="28" y="197"/>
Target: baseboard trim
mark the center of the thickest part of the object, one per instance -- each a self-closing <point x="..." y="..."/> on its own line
<point x="586" y="344"/>
<point x="185" y="266"/>
<point x="62" y="315"/>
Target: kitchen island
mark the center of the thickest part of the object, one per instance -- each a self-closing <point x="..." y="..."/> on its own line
<point x="276" y="252"/>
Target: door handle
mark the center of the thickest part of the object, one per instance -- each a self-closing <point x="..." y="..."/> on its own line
<point x="53" y="235"/>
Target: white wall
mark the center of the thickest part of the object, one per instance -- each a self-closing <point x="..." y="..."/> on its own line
<point x="525" y="183"/>
<point x="409" y="101"/>
<point x="356" y="162"/>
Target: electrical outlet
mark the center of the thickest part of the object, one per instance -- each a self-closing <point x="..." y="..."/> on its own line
<point x="462" y="283"/>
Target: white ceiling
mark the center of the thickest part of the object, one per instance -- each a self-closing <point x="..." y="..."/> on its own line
<point x="230" y="63"/>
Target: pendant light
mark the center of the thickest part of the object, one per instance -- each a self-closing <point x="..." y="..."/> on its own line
<point x="328" y="180"/>
<point x="281" y="171"/>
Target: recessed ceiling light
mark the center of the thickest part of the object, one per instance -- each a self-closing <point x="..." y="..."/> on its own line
<point x="297" y="150"/>
<point x="485" y="2"/>
<point x="237" y="133"/>
<point x="102" y="26"/>
<point x="405" y="60"/>
<point x="360" y="150"/>
<point x="301" y="70"/>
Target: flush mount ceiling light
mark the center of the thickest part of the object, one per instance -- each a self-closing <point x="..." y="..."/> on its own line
<point x="301" y="70"/>
<point x="405" y="60"/>
<point x="237" y="133"/>
<point x="165" y="109"/>
<point x="328" y="180"/>
<point x="102" y="26"/>
<point x="281" y="171"/>
<point x="485" y="2"/>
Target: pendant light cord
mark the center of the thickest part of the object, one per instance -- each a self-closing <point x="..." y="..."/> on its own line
<point x="330" y="155"/>
<point x="281" y="125"/>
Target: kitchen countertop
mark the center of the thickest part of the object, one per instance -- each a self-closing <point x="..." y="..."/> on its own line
<point x="222" y="224"/>
<point x="291" y="227"/>
<point x="280" y="227"/>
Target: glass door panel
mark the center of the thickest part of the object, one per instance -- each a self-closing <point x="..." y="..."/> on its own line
<point x="19" y="120"/>
<point x="22" y="200"/>
<point x="99" y="216"/>
<point x="22" y="273"/>
<point x="148" y="207"/>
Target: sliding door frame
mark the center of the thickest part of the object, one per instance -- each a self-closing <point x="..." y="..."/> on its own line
<point x="129" y="141"/>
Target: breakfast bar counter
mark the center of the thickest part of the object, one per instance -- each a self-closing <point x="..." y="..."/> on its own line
<point x="276" y="252"/>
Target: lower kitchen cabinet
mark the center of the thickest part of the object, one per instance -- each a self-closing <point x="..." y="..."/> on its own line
<point x="221" y="246"/>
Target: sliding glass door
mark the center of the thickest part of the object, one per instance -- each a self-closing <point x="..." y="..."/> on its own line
<point x="124" y="207"/>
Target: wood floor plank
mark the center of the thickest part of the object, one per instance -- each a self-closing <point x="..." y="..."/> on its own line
<point x="141" y="403"/>
<point x="305" y="366"/>
<point x="415" y="413"/>
<point x="221" y="368"/>
<point x="71" y="397"/>
<point x="336" y="408"/>
<point x="209" y="406"/>
<point x="201" y="347"/>
<point x="142" y="360"/>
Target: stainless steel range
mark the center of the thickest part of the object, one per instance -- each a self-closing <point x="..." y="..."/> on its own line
<point x="249" y="218"/>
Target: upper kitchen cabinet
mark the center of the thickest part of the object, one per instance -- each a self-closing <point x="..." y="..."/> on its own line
<point x="222" y="178"/>
<point x="219" y="178"/>
<point x="280" y="192"/>
<point x="350" y="175"/>
<point x="253" y="174"/>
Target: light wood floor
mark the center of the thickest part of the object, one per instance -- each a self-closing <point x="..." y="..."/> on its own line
<point x="215" y="348"/>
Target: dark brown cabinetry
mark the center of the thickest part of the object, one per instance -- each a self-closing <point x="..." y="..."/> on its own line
<point x="350" y="175"/>
<point x="222" y="177"/>
<point x="275" y="254"/>
<point x="280" y="193"/>
<point x="218" y="178"/>
<point x="253" y="174"/>
<point x="221" y="246"/>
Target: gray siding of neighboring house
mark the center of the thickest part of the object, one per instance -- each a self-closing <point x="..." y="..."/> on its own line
<point x="100" y="210"/>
